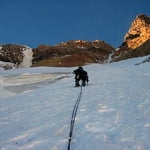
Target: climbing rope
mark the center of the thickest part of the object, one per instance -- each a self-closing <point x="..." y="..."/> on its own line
<point x="74" y="112"/>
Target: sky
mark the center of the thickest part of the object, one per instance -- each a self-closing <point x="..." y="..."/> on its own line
<point x="50" y="22"/>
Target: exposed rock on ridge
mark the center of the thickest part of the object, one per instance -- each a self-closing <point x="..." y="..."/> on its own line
<point x="139" y="32"/>
<point x="72" y="53"/>
<point x="136" y="41"/>
<point x="18" y="55"/>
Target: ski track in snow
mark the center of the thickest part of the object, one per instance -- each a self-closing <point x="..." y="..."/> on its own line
<point x="113" y="113"/>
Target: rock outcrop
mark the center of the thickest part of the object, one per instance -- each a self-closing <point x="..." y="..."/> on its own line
<point x="139" y="32"/>
<point x="18" y="55"/>
<point x="72" y="53"/>
<point x="66" y="54"/>
<point x="136" y="41"/>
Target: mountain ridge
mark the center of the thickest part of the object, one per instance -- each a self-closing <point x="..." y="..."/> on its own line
<point x="71" y="53"/>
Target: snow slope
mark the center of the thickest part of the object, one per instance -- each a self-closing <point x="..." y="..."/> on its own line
<point x="113" y="113"/>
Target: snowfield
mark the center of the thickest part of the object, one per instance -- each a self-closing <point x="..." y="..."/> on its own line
<point x="114" y="113"/>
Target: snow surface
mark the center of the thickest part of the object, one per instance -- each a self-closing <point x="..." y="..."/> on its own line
<point x="27" y="59"/>
<point x="6" y="64"/>
<point x="113" y="113"/>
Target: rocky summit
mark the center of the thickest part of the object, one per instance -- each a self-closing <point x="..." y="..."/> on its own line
<point x="136" y="41"/>
<point x="139" y="32"/>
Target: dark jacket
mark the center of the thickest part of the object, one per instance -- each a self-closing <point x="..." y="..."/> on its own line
<point x="81" y="74"/>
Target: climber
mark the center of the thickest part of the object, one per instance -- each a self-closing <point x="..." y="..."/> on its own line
<point x="81" y="74"/>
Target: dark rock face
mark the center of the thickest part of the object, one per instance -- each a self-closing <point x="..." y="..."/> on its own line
<point x="72" y="53"/>
<point x="11" y="53"/>
<point x="18" y="55"/>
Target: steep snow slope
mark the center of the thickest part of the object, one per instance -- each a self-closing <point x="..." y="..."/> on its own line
<point x="113" y="112"/>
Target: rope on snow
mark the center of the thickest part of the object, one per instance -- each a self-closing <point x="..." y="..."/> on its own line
<point x="74" y="112"/>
